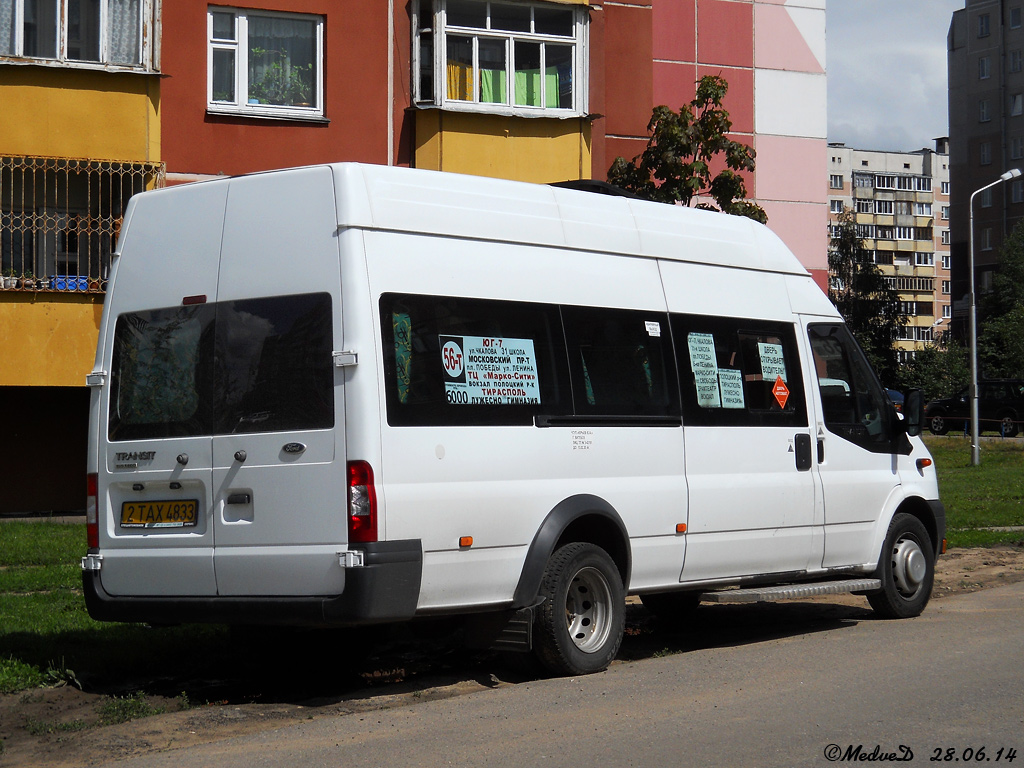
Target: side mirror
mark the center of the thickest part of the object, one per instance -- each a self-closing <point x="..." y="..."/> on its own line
<point x="913" y="412"/>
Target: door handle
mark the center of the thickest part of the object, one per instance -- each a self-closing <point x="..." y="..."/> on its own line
<point x="802" y="445"/>
<point x="239" y="498"/>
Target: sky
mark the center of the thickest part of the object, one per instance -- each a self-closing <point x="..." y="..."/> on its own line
<point x="886" y="63"/>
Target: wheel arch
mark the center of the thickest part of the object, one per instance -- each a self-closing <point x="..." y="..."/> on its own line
<point x="584" y="518"/>
<point x="932" y="517"/>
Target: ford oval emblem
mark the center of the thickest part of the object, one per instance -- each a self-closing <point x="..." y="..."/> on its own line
<point x="294" y="448"/>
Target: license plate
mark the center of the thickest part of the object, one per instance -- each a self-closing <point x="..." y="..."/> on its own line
<point x="182" y="513"/>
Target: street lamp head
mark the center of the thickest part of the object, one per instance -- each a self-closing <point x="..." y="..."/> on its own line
<point x="1013" y="173"/>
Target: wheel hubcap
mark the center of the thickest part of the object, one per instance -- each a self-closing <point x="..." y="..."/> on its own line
<point x="587" y="610"/>
<point x="909" y="567"/>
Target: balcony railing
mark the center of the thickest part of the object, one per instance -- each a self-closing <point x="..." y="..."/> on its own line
<point x="60" y="218"/>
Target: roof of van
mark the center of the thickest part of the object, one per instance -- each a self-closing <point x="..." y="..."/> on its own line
<point x="416" y="200"/>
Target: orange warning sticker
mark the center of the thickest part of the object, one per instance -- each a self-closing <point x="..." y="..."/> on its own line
<point x="781" y="392"/>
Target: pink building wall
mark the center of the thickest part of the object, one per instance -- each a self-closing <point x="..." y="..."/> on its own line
<point x="772" y="53"/>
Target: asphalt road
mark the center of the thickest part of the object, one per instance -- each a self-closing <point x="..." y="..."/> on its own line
<point x="952" y="679"/>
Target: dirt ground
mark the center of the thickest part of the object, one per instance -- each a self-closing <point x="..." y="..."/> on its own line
<point x="59" y="727"/>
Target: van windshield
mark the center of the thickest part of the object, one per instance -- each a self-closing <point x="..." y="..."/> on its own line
<point x="253" y="365"/>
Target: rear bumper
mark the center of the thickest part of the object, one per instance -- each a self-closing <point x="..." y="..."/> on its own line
<point x="385" y="588"/>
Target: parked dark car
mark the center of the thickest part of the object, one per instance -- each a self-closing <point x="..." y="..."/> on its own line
<point x="897" y="399"/>
<point x="1000" y="408"/>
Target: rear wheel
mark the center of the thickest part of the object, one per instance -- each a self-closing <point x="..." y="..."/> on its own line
<point x="581" y="621"/>
<point x="1008" y="425"/>
<point x="937" y="424"/>
<point x="906" y="568"/>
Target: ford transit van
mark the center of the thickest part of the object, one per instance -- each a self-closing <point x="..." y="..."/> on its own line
<point x="349" y="394"/>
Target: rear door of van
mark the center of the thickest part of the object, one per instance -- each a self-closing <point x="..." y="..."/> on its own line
<point x="152" y="423"/>
<point x="278" y="450"/>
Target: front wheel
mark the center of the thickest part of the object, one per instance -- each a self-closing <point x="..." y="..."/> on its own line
<point x="937" y="424"/>
<point x="1008" y="426"/>
<point x="906" y="568"/>
<point x="583" y="616"/>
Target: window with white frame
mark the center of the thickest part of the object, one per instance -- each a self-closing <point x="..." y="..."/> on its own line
<point x="835" y="181"/>
<point x="983" y="111"/>
<point x="986" y="198"/>
<point x="945" y="188"/>
<point x="947" y="260"/>
<point x="507" y="58"/>
<point x="983" y="25"/>
<point x="79" y="33"/>
<point x="1016" y="104"/>
<point x="1015" y="60"/>
<point x="946" y="284"/>
<point x="922" y="209"/>
<point x="835" y="206"/>
<point x="986" y="239"/>
<point x="984" y="70"/>
<point x="947" y="311"/>
<point x="883" y="206"/>
<point x="945" y="237"/>
<point x="1017" y="191"/>
<point x="1015" y="18"/>
<point x="264" y="64"/>
<point x="865" y="206"/>
<point x="885" y="182"/>
<point x="924" y="259"/>
<point x="985" y="153"/>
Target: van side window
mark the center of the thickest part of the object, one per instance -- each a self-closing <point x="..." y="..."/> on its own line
<point x="160" y="374"/>
<point x="457" y="361"/>
<point x="854" y="405"/>
<point x="736" y="372"/>
<point x="620" y="362"/>
<point x="252" y="365"/>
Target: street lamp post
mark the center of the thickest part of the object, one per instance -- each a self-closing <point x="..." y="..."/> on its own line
<point x="975" y="440"/>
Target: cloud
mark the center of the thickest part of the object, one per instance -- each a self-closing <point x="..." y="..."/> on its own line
<point x="887" y="72"/>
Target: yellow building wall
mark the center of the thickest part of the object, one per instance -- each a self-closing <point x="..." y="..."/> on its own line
<point x="59" y="112"/>
<point x="539" y="150"/>
<point x="47" y="340"/>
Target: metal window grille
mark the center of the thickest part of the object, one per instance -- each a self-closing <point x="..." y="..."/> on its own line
<point x="60" y="218"/>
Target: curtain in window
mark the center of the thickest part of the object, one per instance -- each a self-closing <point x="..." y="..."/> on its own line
<point x="6" y="27"/>
<point x="281" y="61"/>
<point x="123" y="24"/>
<point x="460" y="81"/>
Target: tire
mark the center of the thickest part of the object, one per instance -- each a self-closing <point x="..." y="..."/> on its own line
<point x="672" y="608"/>
<point x="579" y="625"/>
<point x="906" y="568"/>
<point x="937" y="424"/>
<point x="1008" y="425"/>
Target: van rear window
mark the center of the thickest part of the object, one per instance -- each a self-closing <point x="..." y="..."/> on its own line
<point x="252" y="365"/>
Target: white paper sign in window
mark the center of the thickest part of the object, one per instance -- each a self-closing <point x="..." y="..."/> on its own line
<point x="773" y="363"/>
<point x="704" y="364"/>
<point x="487" y="370"/>
<point x="731" y="382"/>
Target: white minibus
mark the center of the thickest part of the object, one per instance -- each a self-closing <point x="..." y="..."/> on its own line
<point x="351" y="394"/>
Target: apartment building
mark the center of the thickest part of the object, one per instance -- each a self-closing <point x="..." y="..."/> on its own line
<point x="100" y="99"/>
<point x="985" y="60"/>
<point x="901" y="204"/>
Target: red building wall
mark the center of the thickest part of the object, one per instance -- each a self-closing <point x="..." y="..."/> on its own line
<point x="357" y="110"/>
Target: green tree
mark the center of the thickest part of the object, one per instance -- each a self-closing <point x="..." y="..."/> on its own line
<point x="858" y="289"/>
<point x="676" y="164"/>
<point x="1001" y="337"/>
<point x="938" y="370"/>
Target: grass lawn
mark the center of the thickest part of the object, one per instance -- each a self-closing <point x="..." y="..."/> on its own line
<point x="46" y="636"/>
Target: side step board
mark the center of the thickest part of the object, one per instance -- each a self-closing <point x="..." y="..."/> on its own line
<point x="791" y="591"/>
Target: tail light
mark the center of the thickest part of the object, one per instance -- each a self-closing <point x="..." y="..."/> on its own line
<point x="92" y="523"/>
<point x="362" y="503"/>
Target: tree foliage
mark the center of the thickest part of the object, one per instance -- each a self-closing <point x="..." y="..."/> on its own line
<point x="938" y="370"/>
<point x="1001" y="336"/>
<point x="676" y="164"/>
<point x="858" y="289"/>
